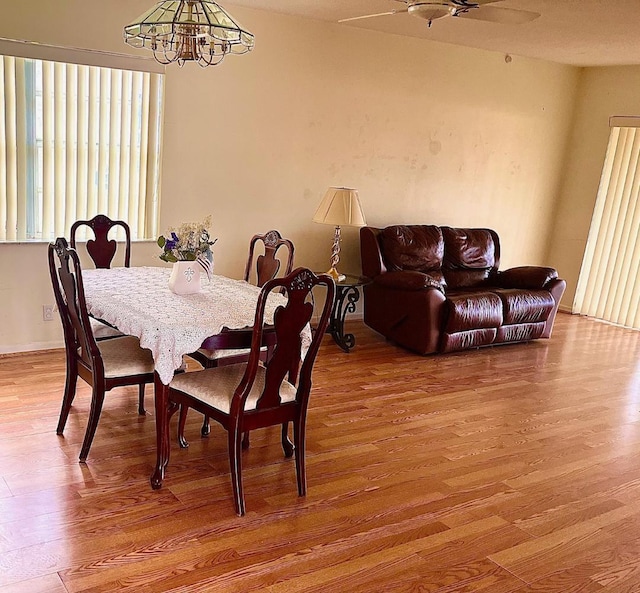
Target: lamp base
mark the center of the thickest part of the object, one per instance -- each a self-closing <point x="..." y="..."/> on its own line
<point x="337" y="276"/>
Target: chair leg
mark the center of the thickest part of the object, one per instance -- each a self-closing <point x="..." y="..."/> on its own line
<point x="287" y="445"/>
<point x="141" y="410"/>
<point x="181" y="424"/>
<point x="235" y="466"/>
<point x="299" y="430"/>
<point x="69" y="393"/>
<point x="97" y="399"/>
<point x="245" y="441"/>
<point x="206" y="429"/>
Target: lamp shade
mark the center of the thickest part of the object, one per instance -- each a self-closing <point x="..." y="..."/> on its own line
<point x="340" y="207"/>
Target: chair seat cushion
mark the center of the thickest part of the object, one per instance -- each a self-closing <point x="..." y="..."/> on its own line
<point x="102" y="331"/>
<point x="123" y="357"/>
<point x="232" y="352"/>
<point x="215" y="386"/>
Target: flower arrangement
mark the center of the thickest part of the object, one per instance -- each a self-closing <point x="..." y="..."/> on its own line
<point x="191" y="241"/>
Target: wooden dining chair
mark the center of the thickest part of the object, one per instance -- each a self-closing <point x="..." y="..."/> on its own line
<point x="256" y="394"/>
<point x="102" y="251"/>
<point x="102" y="364"/>
<point x="267" y="266"/>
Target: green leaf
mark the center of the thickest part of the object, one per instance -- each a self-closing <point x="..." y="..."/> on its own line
<point x="190" y="256"/>
<point x="161" y="241"/>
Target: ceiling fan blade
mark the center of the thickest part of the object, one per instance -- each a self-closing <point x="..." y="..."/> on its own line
<point x="495" y="14"/>
<point x="370" y="16"/>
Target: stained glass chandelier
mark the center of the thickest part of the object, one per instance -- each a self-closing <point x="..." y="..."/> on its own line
<point x="183" y="31"/>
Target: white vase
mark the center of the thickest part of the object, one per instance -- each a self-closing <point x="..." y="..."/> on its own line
<point x="185" y="277"/>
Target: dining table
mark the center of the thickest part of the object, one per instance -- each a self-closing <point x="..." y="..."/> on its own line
<point x="138" y="302"/>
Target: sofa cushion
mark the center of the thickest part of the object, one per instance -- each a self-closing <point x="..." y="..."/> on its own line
<point x="410" y="280"/>
<point x="412" y="247"/>
<point x="472" y="310"/>
<point x="469" y="257"/>
<point x="525" y="306"/>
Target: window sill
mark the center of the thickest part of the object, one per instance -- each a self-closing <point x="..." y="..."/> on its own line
<point x="43" y="242"/>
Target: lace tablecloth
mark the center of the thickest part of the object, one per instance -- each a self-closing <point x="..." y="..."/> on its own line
<point x="139" y="303"/>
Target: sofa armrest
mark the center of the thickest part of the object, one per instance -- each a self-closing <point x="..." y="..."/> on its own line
<point x="370" y="254"/>
<point x="408" y="280"/>
<point x="528" y="277"/>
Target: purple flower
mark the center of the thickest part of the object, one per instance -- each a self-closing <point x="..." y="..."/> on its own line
<point x="173" y="242"/>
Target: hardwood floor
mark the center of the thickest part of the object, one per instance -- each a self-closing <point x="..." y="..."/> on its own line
<point x="513" y="469"/>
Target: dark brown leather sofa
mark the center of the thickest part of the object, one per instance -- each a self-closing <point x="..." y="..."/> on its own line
<point x="438" y="289"/>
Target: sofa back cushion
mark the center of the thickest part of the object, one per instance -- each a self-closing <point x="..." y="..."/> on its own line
<point x="470" y="256"/>
<point x="417" y="248"/>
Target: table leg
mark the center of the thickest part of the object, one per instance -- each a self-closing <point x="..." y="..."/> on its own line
<point x="163" y="445"/>
<point x="345" y="302"/>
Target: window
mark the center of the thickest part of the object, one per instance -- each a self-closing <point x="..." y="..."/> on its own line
<point x="609" y="283"/>
<point x="77" y="140"/>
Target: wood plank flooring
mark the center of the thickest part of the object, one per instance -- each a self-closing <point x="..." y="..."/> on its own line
<point x="513" y="469"/>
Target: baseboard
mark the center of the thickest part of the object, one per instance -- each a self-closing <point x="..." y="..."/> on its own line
<point x="564" y="309"/>
<point x="33" y="347"/>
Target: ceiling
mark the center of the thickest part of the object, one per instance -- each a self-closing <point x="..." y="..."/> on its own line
<point x="575" y="32"/>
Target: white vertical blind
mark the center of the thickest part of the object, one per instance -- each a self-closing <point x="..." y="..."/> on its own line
<point x="21" y="145"/>
<point x="82" y="154"/>
<point x="48" y="144"/>
<point x="608" y="287"/>
<point x="71" y="159"/>
<point x="59" y="110"/>
<point x="11" y="188"/>
<point x="76" y="141"/>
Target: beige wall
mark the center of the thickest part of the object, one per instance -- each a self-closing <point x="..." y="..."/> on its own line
<point x="603" y="92"/>
<point x="428" y="133"/>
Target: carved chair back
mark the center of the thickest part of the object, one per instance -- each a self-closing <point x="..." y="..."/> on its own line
<point x="68" y="290"/>
<point x="101" y="249"/>
<point x="267" y="264"/>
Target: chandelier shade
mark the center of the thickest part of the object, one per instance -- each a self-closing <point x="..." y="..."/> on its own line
<point x="183" y="31"/>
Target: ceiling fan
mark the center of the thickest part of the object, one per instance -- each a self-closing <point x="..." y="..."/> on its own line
<point x="472" y="9"/>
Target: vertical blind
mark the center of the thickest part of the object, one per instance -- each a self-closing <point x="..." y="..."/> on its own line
<point x="76" y="141"/>
<point x="609" y="283"/>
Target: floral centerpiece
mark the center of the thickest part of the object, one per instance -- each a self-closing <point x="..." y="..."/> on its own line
<point x="191" y="241"/>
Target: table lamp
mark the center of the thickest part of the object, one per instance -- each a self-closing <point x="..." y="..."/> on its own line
<point x="339" y="207"/>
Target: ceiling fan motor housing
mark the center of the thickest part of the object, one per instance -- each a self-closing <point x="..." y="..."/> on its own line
<point x="429" y="11"/>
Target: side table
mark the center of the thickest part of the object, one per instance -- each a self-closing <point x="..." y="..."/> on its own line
<point x="347" y="295"/>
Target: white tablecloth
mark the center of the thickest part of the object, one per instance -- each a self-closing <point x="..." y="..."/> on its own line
<point x="139" y="303"/>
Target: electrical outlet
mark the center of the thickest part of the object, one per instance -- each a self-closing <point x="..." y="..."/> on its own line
<point x="47" y="312"/>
